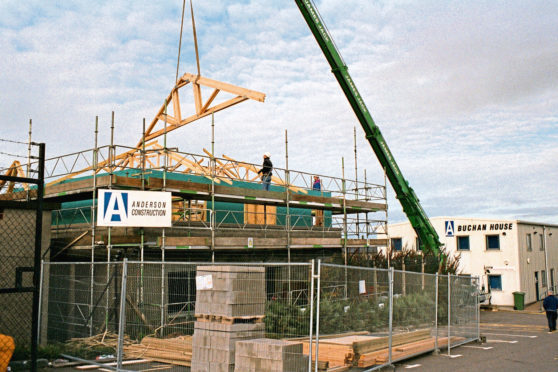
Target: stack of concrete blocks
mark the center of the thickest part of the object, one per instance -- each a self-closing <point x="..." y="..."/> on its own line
<point x="231" y="302"/>
<point x="265" y="354"/>
<point x="236" y="291"/>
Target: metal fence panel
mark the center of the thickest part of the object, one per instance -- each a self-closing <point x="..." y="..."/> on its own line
<point x="21" y="242"/>
<point x="414" y="313"/>
<point x="204" y="308"/>
<point x="463" y="309"/>
<point x="84" y="305"/>
<point x="352" y="300"/>
<point x="165" y="300"/>
<point x="16" y="280"/>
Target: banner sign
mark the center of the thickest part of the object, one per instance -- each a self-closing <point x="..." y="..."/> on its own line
<point x="134" y="208"/>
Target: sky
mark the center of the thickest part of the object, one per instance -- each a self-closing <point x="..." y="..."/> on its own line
<point x="465" y="93"/>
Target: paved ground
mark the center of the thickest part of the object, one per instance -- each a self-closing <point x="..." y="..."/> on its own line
<point x="515" y="342"/>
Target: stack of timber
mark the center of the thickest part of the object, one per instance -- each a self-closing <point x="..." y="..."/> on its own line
<point x="365" y="350"/>
<point x="402" y="351"/>
<point x="264" y="354"/>
<point x="230" y="307"/>
<point x="404" y="345"/>
<point x="177" y="350"/>
<point x="335" y="351"/>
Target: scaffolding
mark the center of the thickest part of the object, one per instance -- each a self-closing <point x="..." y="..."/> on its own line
<point x="218" y="203"/>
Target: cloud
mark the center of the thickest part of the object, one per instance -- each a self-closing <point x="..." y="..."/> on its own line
<point x="465" y="94"/>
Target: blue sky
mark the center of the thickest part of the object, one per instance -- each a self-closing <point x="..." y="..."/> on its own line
<point x="465" y="93"/>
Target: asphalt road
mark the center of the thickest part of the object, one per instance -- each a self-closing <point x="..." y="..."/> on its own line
<point x="515" y="342"/>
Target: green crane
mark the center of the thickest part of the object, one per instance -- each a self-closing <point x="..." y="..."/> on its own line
<point x="409" y="201"/>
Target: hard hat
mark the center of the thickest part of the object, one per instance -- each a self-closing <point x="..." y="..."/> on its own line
<point x="267" y="155"/>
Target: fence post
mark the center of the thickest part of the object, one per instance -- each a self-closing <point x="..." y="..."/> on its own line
<point x="436" y="349"/>
<point x="318" y="315"/>
<point x="390" y="280"/>
<point x="311" y="315"/>
<point x="449" y="314"/>
<point x="477" y="308"/>
<point x="37" y="256"/>
<point x="122" y="319"/>
<point x="40" y="302"/>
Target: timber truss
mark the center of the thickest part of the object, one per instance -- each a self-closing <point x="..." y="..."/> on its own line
<point x="153" y="156"/>
<point x="14" y="170"/>
<point x="202" y="108"/>
<point x="164" y="122"/>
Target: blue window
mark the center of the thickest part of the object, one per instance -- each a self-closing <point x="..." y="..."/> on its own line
<point x="463" y="243"/>
<point x="493" y="242"/>
<point x="495" y="282"/>
<point x="396" y="244"/>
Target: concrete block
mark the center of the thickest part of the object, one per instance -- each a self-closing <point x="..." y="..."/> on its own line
<point x="270" y="355"/>
<point x="235" y="278"/>
<point x="230" y="310"/>
<point x="255" y="284"/>
<point x="199" y="366"/>
<point x="232" y="268"/>
<point x="216" y="342"/>
<point x="220" y="367"/>
<point x="266" y="348"/>
<point x="212" y="354"/>
<point x="230" y="297"/>
<point x="228" y="328"/>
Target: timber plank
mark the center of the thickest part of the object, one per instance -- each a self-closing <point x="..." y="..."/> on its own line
<point x="362" y="347"/>
<point x="333" y="353"/>
<point x="124" y="181"/>
<point x="184" y="240"/>
<point x="364" y="204"/>
<point x="334" y="335"/>
<point x="243" y="241"/>
<point x="157" y="183"/>
<point x="364" y="242"/>
<point x="177" y="350"/>
<point x="316" y="241"/>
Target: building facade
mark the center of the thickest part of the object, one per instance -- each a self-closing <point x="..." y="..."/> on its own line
<point x="508" y="255"/>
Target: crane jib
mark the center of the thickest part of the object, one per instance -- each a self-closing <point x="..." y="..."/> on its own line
<point x="404" y="193"/>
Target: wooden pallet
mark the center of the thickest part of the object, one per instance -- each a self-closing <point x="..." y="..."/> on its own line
<point x="229" y="319"/>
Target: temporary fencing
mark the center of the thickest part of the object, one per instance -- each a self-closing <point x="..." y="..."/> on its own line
<point x="22" y="216"/>
<point x="211" y="316"/>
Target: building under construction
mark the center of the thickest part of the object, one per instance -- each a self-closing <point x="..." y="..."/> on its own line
<point x="219" y="210"/>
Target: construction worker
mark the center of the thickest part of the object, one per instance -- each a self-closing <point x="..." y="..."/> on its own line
<point x="317" y="185"/>
<point x="266" y="171"/>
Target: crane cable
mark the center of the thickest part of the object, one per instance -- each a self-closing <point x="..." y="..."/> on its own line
<point x="180" y="42"/>
<point x="195" y="37"/>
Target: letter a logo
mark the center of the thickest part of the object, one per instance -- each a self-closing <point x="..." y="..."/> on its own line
<point x="115" y="206"/>
<point x="449" y="228"/>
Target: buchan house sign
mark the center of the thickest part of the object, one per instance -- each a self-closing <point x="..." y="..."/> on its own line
<point x="134" y="208"/>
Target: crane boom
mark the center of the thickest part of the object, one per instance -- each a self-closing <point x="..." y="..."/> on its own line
<point x="409" y="201"/>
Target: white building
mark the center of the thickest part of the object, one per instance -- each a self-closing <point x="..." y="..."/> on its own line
<point x="508" y="255"/>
